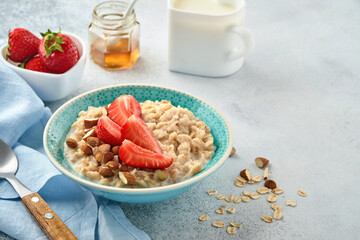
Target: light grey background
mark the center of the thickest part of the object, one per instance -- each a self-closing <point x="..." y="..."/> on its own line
<point x="296" y="101"/>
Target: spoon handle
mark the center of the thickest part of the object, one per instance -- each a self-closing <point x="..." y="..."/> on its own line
<point x="47" y="219"/>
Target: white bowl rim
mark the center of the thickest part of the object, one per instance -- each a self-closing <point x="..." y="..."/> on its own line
<point x="50" y="75"/>
<point x="135" y="191"/>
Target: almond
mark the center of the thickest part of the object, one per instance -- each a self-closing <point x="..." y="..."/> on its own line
<point x="93" y="141"/>
<point x="86" y="149"/>
<point x="113" y="165"/>
<point x="90" y="122"/>
<point x="99" y="157"/>
<point x="271" y="184"/>
<point x="233" y="151"/>
<point x="127" y="178"/>
<point x="116" y="158"/>
<point x="103" y="148"/>
<point x="115" y="150"/>
<point x="105" y="172"/>
<point x="162" y="174"/>
<point x="261" y="162"/>
<point x="108" y="156"/>
<point x="245" y="174"/>
<point x="71" y="143"/>
<point x="123" y="168"/>
<point x="91" y="133"/>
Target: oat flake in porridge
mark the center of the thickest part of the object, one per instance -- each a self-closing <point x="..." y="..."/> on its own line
<point x="180" y="134"/>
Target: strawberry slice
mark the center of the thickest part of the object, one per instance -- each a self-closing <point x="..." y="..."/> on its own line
<point x="108" y="131"/>
<point x="123" y="107"/>
<point x="138" y="132"/>
<point x="136" y="156"/>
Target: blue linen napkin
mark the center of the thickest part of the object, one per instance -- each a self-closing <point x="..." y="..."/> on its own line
<point x="22" y="121"/>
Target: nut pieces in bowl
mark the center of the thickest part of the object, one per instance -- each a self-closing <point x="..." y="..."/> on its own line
<point x="131" y="146"/>
<point x="78" y="109"/>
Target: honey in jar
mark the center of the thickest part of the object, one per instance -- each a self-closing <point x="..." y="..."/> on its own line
<point x="114" y="39"/>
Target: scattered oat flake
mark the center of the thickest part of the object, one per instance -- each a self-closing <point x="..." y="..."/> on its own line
<point x="220" y="211"/>
<point x="266" y="219"/>
<point x="218" y="224"/>
<point x="231" y="210"/>
<point x="256" y="179"/>
<point x="302" y="193"/>
<point x="239" y="184"/>
<point x="223" y="206"/>
<point x="241" y="179"/>
<point x="245" y="199"/>
<point x="237" y="199"/>
<point x="277" y="214"/>
<point x="229" y="198"/>
<point x="278" y="191"/>
<point x="251" y="181"/>
<point x="275" y="206"/>
<point x="221" y="196"/>
<point x="263" y="190"/>
<point x="255" y="195"/>
<point x="245" y="193"/>
<point x="231" y="230"/>
<point x="212" y="192"/>
<point x="291" y="203"/>
<point x="234" y="224"/>
<point x="233" y="151"/>
<point x="203" y="217"/>
<point x="271" y="198"/>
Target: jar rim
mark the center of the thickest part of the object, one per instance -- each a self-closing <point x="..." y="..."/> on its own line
<point x="112" y="20"/>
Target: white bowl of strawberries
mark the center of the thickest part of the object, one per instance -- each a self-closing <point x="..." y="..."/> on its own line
<point x="53" y="66"/>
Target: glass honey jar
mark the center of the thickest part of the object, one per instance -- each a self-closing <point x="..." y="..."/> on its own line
<point x="114" y="39"/>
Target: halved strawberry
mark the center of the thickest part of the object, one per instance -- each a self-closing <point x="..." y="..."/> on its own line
<point x="136" y="156"/>
<point x="108" y="131"/>
<point x="123" y="107"/>
<point x="138" y="132"/>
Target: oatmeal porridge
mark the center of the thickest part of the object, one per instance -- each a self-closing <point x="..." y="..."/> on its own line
<point x="182" y="136"/>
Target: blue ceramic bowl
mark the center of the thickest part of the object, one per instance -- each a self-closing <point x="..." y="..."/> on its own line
<point x="60" y="123"/>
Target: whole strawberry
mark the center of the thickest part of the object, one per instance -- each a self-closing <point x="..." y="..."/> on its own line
<point x="58" y="52"/>
<point x="22" y="45"/>
<point x="35" y="64"/>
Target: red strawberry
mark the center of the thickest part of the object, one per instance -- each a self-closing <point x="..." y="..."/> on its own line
<point x="58" y="52"/>
<point x="22" y="45"/>
<point x="136" y="156"/>
<point x="138" y="132"/>
<point x="35" y="64"/>
<point x="108" y="131"/>
<point x="123" y="107"/>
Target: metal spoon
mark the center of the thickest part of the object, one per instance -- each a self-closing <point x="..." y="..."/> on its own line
<point x="49" y="222"/>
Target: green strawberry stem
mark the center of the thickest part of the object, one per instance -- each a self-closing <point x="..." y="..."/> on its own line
<point x="22" y="65"/>
<point x="52" y="42"/>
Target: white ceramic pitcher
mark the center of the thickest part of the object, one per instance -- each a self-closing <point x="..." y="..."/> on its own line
<point x="212" y="45"/>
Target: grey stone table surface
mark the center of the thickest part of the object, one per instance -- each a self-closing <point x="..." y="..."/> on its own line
<point x="296" y="101"/>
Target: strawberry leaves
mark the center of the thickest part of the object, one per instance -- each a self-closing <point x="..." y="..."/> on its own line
<point x="52" y="42"/>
